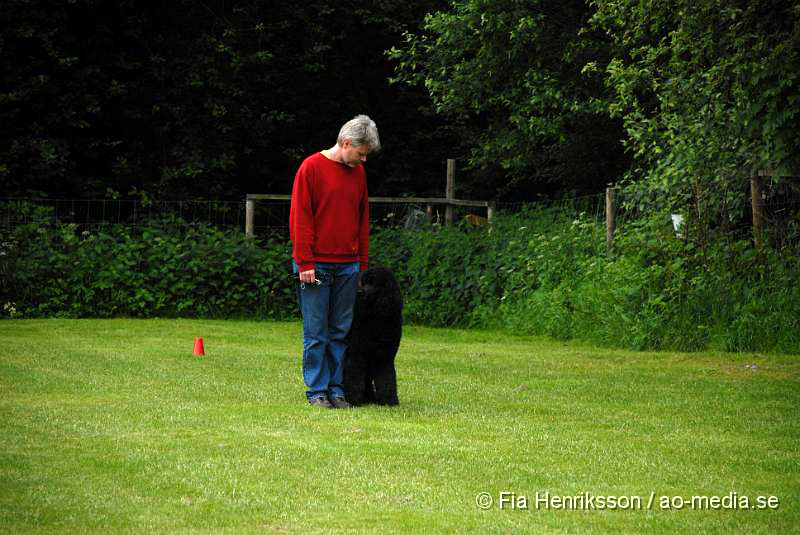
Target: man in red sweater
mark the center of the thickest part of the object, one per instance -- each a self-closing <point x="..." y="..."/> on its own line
<point x="329" y="229"/>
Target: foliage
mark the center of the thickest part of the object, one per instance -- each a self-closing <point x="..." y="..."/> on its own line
<point x="512" y="73"/>
<point x="165" y="268"/>
<point x="538" y="272"/>
<point x="708" y="93"/>
<point x="544" y="272"/>
<point x="436" y="270"/>
<point x="196" y="99"/>
<point x="703" y="94"/>
<point x="212" y="100"/>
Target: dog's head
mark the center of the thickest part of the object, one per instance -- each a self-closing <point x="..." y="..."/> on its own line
<point x="378" y="291"/>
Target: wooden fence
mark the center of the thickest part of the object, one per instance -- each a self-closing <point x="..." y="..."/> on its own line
<point x="448" y="201"/>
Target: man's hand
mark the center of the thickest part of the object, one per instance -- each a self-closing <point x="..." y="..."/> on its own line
<point x="308" y="276"/>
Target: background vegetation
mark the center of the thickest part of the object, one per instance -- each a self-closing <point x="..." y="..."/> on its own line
<point x="217" y="99"/>
<point x="191" y="99"/>
<point x="542" y="271"/>
<point x="701" y="94"/>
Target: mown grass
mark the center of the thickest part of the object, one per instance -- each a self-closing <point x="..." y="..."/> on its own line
<point x="112" y="425"/>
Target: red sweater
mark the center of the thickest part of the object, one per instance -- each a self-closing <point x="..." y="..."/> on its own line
<point x="329" y="216"/>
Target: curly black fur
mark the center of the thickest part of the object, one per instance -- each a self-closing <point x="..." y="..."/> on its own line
<point x="369" y="372"/>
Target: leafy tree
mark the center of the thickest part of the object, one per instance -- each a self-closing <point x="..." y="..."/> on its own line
<point x="200" y="99"/>
<point x="708" y="93"/>
<point x="512" y="75"/>
<point x="56" y="96"/>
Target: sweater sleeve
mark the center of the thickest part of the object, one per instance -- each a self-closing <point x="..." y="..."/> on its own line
<point x="363" y="235"/>
<point x="301" y="219"/>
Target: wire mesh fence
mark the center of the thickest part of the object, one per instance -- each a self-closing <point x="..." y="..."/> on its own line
<point x="89" y="213"/>
<point x="269" y="215"/>
<point x="780" y="211"/>
<point x="590" y="206"/>
<point x="781" y="214"/>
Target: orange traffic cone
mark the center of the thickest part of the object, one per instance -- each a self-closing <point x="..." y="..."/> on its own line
<point x="198" y="347"/>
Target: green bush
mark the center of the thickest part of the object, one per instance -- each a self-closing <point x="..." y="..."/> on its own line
<point x="443" y="271"/>
<point x="165" y="268"/>
<point x="543" y="272"/>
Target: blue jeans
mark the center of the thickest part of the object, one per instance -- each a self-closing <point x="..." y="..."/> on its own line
<point x="327" y="310"/>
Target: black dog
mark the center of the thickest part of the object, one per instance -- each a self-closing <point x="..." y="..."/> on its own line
<point x="369" y="373"/>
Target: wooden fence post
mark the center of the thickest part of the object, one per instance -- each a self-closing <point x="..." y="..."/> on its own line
<point x="450" y="190"/>
<point x="610" y="222"/>
<point x="249" y="217"/>
<point x="758" y="209"/>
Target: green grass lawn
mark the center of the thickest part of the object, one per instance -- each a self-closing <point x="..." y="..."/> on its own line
<point x="113" y="425"/>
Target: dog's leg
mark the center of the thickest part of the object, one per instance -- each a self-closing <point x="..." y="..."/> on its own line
<point x="386" y="384"/>
<point x="369" y="390"/>
<point x="354" y="390"/>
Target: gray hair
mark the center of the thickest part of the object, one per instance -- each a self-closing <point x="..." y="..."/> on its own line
<point x="360" y="130"/>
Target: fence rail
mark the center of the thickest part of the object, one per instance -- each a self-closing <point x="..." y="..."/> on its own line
<point x="428" y="202"/>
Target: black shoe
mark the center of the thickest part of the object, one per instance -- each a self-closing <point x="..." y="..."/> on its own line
<point x="322" y="403"/>
<point x="340" y="403"/>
